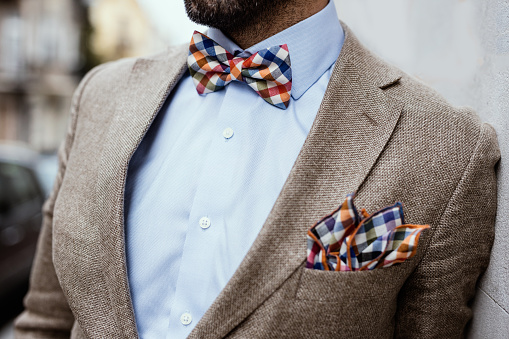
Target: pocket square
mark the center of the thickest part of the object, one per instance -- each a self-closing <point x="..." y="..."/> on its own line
<point x="348" y="241"/>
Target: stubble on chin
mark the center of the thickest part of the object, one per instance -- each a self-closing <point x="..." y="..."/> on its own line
<point x="225" y="15"/>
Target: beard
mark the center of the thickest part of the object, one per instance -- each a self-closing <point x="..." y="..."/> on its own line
<point x="229" y="15"/>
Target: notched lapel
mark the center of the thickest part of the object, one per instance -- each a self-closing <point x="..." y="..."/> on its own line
<point x="353" y="124"/>
<point x="139" y="100"/>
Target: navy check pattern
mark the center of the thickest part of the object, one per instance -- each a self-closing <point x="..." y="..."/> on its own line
<point x="268" y="72"/>
<point x="348" y="241"/>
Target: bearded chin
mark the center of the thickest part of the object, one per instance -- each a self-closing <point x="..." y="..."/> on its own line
<point x="225" y="15"/>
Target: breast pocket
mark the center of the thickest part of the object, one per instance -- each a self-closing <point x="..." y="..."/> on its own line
<point x="353" y="288"/>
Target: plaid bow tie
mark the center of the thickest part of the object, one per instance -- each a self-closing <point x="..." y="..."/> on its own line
<point x="268" y="71"/>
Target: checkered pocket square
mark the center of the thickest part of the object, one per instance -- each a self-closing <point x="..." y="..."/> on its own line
<point x="348" y="241"/>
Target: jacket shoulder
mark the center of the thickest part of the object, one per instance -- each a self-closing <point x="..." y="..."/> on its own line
<point x="446" y="136"/>
<point x="109" y="80"/>
<point x="425" y="112"/>
<point x="111" y="75"/>
<point x="433" y="117"/>
<point x="420" y="98"/>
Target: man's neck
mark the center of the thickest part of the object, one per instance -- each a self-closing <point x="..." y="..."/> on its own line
<point x="273" y="21"/>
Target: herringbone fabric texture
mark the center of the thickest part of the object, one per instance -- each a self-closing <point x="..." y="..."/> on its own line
<point x="268" y="71"/>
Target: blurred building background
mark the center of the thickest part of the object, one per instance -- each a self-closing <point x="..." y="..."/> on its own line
<point x="39" y="65"/>
<point x="46" y="46"/>
<point x="121" y="29"/>
<point x="460" y="47"/>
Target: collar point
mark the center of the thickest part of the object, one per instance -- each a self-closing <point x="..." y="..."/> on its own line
<point x="296" y="94"/>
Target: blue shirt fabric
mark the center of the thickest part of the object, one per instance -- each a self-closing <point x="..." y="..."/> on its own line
<point x="185" y="169"/>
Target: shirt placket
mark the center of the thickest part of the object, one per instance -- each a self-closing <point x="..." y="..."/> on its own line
<point x="200" y="273"/>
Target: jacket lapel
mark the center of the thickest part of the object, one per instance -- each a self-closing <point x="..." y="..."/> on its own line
<point x="354" y="122"/>
<point x="150" y="81"/>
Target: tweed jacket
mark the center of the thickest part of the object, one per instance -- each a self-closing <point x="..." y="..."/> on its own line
<point x="378" y="132"/>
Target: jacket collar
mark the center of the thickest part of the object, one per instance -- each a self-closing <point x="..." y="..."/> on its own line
<point x="355" y="120"/>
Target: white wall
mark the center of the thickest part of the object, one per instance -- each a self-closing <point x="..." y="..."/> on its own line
<point x="490" y="89"/>
<point x="435" y="40"/>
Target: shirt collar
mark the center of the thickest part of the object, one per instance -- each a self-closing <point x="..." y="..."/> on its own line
<point x="314" y="45"/>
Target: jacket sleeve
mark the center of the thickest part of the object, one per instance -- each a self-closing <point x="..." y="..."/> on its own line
<point x="435" y="302"/>
<point x="47" y="314"/>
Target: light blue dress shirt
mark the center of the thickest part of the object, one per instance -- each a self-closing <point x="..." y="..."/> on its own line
<point x="207" y="174"/>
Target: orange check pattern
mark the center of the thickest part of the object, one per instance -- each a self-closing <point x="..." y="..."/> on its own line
<point x="349" y="241"/>
<point x="268" y="71"/>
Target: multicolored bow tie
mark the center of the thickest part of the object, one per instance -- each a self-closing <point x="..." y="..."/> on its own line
<point x="268" y="71"/>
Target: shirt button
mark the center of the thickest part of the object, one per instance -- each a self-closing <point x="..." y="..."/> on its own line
<point x="205" y="222"/>
<point x="186" y="318"/>
<point x="228" y="133"/>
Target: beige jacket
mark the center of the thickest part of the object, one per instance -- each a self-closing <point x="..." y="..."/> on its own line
<point x="378" y="132"/>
